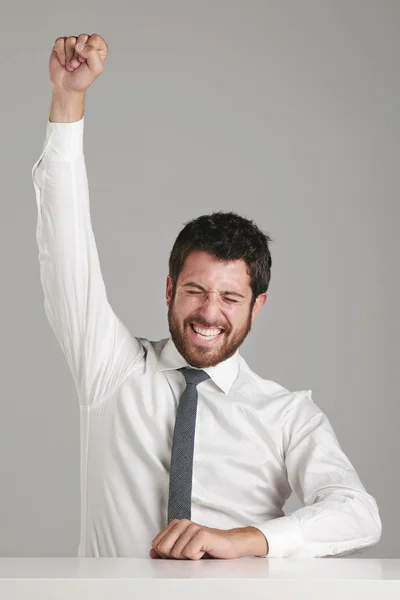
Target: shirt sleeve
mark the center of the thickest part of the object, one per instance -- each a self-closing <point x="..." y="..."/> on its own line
<point x="98" y="348"/>
<point x="339" y="516"/>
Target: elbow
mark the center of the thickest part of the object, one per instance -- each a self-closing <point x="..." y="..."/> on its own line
<point x="372" y="536"/>
<point x="376" y="530"/>
<point x="376" y="522"/>
<point x="359" y="522"/>
<point x="367" y="531"/>
<point x="371" y="523"/>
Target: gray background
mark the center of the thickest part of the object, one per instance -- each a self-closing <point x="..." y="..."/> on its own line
<point x="286" y="112"/>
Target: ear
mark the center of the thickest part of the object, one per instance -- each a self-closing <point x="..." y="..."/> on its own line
<point x="168" y="290"/>
<point x="259" y="303"/>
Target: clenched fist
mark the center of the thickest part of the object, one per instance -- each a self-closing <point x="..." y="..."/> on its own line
<point x="183" y="539"/>
<point x="74" y="67"/>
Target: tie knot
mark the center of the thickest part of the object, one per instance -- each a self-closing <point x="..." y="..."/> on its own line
<point x="194" y="376"/>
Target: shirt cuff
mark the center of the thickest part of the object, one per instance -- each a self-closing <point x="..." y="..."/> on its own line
<point x="283" y="535"/>
<point x="64" y="141"/>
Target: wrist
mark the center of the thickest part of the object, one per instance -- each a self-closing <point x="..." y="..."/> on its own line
<point x="250" y="541"/>
<point x="66" y="107"/>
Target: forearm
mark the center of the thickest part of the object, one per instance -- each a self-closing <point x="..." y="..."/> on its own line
<point x="250" y="541"/>
<point x="66" y="107"/>
<point x="339" y="523"/>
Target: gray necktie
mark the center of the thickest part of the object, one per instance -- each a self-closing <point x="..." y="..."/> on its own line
<point x="181" y="470"/>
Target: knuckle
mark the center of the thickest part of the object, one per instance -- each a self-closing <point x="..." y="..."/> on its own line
<point x="69" y="46"/>
<point x="201" y="535"/>
<point x="161" y="547"/>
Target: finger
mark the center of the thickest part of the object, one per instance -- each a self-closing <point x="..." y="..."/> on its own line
<point x="168" y="541"/>
<point x="77" y="59"/>
<point x="158" y="538"/>
<point x="70" y="43"/>
<point x="163" y="532"/>
<point x="92" y="57"/>
<point x="178" y="549"/>
<point x="59" y="48"/>
<point x="99" y="44"/>
<point x="163" y="540"/>
<point x="159" y="554"/>
<point x="197" y="547"/>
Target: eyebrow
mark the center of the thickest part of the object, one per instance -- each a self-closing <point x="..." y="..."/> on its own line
<point x="200" y="287"/>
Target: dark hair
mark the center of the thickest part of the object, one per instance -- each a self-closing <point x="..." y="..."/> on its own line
<point x="227" y="236"/>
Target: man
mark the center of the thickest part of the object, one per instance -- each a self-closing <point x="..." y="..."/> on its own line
<point x="185" y="452"/>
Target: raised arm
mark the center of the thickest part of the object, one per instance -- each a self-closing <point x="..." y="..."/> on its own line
<point x="99" y="349"/>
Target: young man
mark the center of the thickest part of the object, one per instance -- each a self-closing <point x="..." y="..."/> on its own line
<point x="185" y="452"/>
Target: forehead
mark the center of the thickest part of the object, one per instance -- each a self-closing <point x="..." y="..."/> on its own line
<point x="209" y="271"/>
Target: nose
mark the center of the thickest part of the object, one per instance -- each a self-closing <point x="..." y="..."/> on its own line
<point x="210" y="309"/>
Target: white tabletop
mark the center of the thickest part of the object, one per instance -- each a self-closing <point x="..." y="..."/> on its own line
<point x="123" y="578"/>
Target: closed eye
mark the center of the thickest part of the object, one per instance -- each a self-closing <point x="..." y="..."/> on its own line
<point x="198" y="293"/>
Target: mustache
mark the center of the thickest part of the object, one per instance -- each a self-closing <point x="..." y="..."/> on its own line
<point x="202" y="322"/>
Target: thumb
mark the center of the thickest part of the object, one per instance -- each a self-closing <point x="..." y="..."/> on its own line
<point x="92" y="57"/>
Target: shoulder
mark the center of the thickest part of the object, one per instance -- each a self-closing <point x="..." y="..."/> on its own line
<point x="267" y="391"/>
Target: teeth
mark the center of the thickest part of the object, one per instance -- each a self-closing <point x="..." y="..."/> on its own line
<point x="206" y="332"/>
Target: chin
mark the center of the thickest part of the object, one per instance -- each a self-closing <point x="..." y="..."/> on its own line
<point x="202" y="363"/>
<point x="201" y="358"/>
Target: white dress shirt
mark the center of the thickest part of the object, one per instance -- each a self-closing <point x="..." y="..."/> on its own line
<point x="255" y="441"/>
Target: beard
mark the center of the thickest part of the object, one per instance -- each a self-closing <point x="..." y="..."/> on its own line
<point x="200" y="356"/>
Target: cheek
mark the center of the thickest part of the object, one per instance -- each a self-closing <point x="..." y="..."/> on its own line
<point x="238" y="315"/>
<point x="185" y="306"/>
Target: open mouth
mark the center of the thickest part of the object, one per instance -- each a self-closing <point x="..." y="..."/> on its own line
<point x="206" y="334"/>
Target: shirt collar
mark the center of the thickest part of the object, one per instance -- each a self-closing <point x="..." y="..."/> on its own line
<point x="223" y="374"/>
